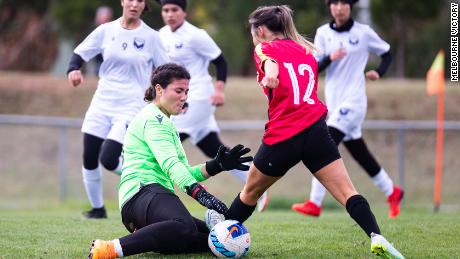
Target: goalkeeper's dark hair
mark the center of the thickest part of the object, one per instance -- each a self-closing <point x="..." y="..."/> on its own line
<point x="278" y="19"/>
<point x="163" y="76"/>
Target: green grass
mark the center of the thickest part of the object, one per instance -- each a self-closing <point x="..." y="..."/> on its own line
<point x="60" y="232"/>
<point x="30" y="230"/>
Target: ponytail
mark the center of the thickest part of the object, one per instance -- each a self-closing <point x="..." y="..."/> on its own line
<point x="279" y="19"/>
<point x="150" y="94"/>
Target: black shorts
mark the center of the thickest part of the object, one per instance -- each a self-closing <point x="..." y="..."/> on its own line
<point x="154" y="203"/>
<point x="313" y="146"/>
<point x="163" y="222"/>
<point x="134" y="213"/>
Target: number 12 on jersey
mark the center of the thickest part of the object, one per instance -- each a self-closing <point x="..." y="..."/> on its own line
<point x="295" y="83"/>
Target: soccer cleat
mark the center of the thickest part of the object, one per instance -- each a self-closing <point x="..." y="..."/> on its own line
<point x="394" y="200"/>
<point x="101" y="249"/>
<point x="262" y="202"/>
<point x="212" y="217"/>
<point x="95" y="213"/>
<point x="308" y="208"/>
<point x="381" y="247"/>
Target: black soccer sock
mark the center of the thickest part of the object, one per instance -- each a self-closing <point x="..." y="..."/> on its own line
<point x="239" y="211"/>
<point x="359" y="151"/>
<point x="359" y="210"/>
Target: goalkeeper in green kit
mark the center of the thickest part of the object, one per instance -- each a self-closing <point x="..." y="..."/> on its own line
<point x="155" y="161"/>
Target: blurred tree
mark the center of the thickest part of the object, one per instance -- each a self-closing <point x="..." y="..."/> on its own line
<point x="423" y="48"/>
<point x="402" y="23"/>
<point x="26" y="40"/>
<point x="28" y="29"/>
<point x="227" y="23"/>
<point x="75" y="18"/>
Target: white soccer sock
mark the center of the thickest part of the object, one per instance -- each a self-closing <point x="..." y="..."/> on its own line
<point x="118" y="249"/>
<point x="93" y="186"/>
<point x="383" y="181"/>
<point x="119" y="166"/>
<point x="317" y="192"/>
<point x="241" y="175"/>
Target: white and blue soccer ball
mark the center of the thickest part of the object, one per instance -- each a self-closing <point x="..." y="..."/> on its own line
<point x="229" y="238"/>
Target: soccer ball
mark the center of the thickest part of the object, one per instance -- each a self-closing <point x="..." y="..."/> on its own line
<point x="229" y="238"/>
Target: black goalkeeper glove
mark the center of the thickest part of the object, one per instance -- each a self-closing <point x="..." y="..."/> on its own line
<point x="197" y="192"/>
<point x="229" y="159"/>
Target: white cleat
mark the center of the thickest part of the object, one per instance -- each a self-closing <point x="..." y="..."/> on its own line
<point x="381" y="247"/>
<point x="262" y="202"/>
<point x="212" y="217"/>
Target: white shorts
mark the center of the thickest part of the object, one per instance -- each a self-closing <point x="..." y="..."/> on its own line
<point x="348" y="119"/>
<point x="198" y="121"/>
<point x="109" y="122"/>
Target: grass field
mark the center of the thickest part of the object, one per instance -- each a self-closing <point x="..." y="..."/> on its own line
<point x="34" y="223"/>
<point x="60" y="232"/>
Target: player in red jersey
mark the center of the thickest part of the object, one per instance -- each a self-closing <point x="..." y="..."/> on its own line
<point x="296" y="129"/>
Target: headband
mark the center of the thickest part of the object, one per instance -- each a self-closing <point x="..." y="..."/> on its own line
<point x="181" y="3"/>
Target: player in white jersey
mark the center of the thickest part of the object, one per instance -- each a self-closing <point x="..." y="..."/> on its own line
<point x="344" y="46"/>
<point x="193" y="48"/>
<point x="130" y="50"/>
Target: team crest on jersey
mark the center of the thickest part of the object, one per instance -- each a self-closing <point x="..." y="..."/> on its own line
<point x="139" y="43"/>
<point x="344" y="111"/>
<point x="353" y="40"/>
<point x="179" y="45"/>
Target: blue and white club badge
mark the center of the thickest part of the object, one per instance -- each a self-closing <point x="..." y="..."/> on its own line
<point x="344" y="111"/>
<point x="139" y="43"/>
<point x="353" y="40"/>
<point x="179" y="45"/>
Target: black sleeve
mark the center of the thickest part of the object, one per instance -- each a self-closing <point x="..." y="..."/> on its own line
<point x="385" y="63"/>
<point x="221" y="67"/>
<point x="323" y="63"/>
<point x="75" y="63"/>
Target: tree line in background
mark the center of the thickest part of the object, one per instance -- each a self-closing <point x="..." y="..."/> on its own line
<point x="30" y="30"/>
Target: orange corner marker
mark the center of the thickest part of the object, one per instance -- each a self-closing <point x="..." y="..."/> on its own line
<point x="435" y="82"/>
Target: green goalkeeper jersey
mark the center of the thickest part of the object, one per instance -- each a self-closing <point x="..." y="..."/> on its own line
<point x="153" y="153"/>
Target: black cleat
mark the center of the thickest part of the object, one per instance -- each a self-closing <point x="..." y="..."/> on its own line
<point x="95" y="213"/>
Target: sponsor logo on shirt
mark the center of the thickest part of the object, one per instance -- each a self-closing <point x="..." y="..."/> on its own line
<point x="159" y="118"/>
<point x="353" y="40"/>
<point x="179" y="45"/>
<point x="344" y="111"/>
<point x="139" y="43"/>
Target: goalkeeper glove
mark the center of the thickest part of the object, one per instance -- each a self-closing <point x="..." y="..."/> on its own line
<point x="197" y="192"/>
<point x="229" y="159"/>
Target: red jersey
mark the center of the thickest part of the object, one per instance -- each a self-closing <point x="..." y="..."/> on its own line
<point x="292" y="106"/>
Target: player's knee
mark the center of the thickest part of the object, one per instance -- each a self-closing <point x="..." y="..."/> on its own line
<point x="90" y="161"/>
<point x="184" y="228"/>
<point x="210" y="144"/>
<point x="109" y="161"/>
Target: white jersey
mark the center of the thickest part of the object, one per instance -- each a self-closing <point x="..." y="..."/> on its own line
<point x="345" y="79"/>
<point x="129" y="58"/>
<point x="194" y="49"/>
